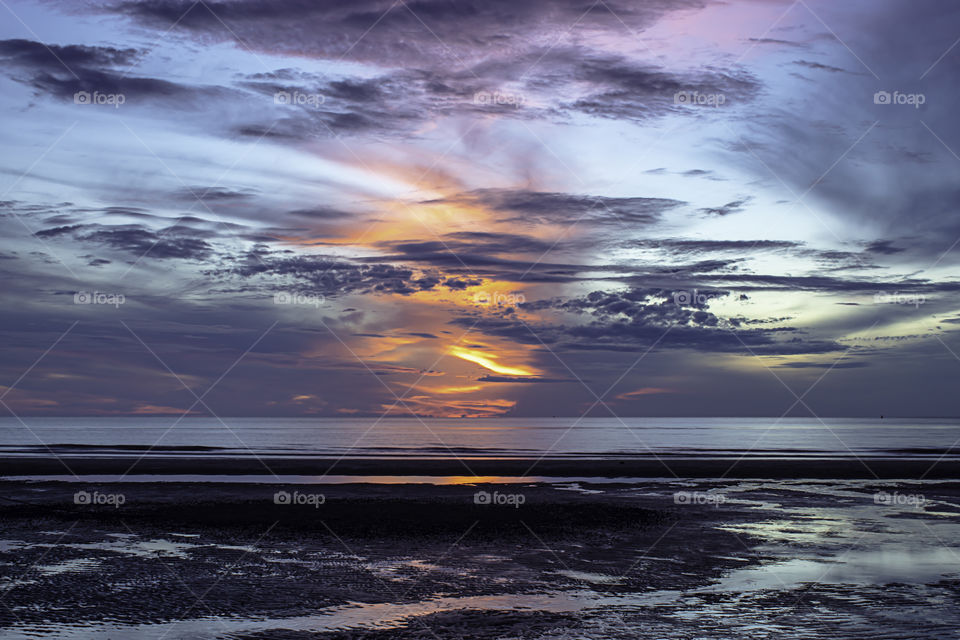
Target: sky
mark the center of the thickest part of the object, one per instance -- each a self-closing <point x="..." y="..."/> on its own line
<point x="480" y="209"/>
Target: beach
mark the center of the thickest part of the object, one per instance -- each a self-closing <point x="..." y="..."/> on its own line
<point x="522" y="529"/>
<point x="668" y="558"/>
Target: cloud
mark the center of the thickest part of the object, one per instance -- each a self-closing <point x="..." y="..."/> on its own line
<point x="415" y="34"/>
<point x="439" y="59"/>
<point x="142" y="242"/>
<point x="212" y="194"/>
<point x="884" y="247"/>
<point x="330" y="276"/>
<point x="137" y="240"/>
<point x="682" y="246"/>
<point x="822" y="365"/>
<point x="635" y="319"/>
<point x="472" y="247"/>
<point x="731" y="207"/>
<point x="64" y="71"/>
<point x="542" y="207"/>
<point x="627" y="90"/>
<point x="775" y="41"/>
<point x="818" y="66"/>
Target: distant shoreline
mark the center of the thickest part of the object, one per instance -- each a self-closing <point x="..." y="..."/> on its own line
<point x="898" y="468"/>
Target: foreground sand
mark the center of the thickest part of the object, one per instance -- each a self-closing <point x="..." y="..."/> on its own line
<point x="690" y="559"/>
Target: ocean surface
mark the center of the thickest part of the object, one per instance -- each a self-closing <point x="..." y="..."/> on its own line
<point x="480" y="438"/>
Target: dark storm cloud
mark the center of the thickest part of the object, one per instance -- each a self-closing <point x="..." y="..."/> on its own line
<point x="389" y="103"/>
<point x="137" y="240"/>
<point x="473" y="243"/>
<point x="636" y="319"/>
<point x="884" y="247"/>
<point x="333" y="276"/>
<point x="471" y="266"/>
<point x="626" y="90"/>
<point x="409" y="34"/>
<point x="58" y="231"/>
<point x="64" y="71"/>
<point x="725" y="210"/>
<point x="27" y="53"/>
<point x="142" y="242"/>
<point x="461" y="283"/>
<point x="212" y="194"/>
<point x="681" y="246"/>
<point x="400" y="102"/>
<point x="445" y="58"/>
<point x="542" y="207"/>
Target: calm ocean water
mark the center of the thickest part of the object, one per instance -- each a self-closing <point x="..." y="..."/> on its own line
<point x="502" y="437"/>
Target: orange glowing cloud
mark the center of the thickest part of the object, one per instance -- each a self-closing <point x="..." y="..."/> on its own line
<point x="488" y="361"/>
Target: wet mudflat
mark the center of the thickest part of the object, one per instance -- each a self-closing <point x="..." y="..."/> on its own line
<point x="784" y="559"/>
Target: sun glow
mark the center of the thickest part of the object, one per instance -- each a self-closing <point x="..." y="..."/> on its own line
<point x="487" y="361"/>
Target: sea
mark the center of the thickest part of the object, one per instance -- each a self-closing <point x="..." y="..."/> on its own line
<point x="480" y="438"/>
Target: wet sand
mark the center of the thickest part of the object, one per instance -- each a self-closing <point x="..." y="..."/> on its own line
<point x="669" y="559"/>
